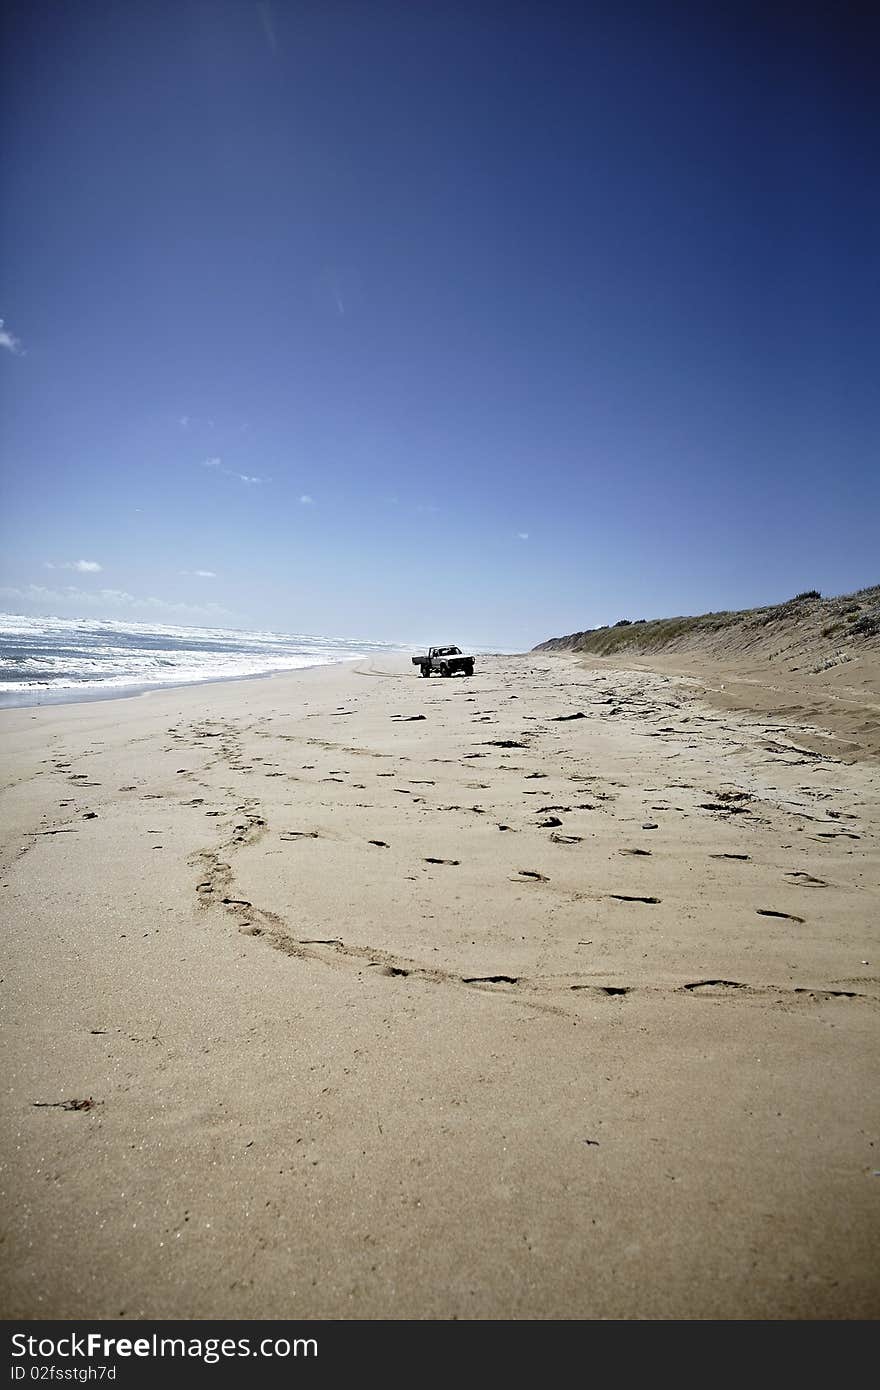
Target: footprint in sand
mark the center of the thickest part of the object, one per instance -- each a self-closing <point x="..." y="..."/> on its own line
<point x="610" y="990"/>
<point x="490" y="979"/>
<point x="710" y="986"/>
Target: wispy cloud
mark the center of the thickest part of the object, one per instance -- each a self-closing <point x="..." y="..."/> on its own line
<point x="306" y="500"/>
<point x="522" y="535"/>
<point x="217" y="465"/>
<point x="36" y="595"/>
<point x="9" y="340"/>
<point x="200" y="574"/>
<point x="339" y="289"/>
<point x="81" y="566"/>
<point x="267" y="19"/>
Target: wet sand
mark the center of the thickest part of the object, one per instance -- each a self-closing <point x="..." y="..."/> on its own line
<point x="553" y="993"/>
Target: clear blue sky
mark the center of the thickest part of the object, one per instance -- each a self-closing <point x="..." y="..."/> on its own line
<point x="484" y="321"/>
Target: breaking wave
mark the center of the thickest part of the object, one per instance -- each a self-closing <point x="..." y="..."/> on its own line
<point x="66" y="657"/>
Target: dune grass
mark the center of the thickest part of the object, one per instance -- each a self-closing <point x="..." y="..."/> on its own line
<point x="847" y="616"/>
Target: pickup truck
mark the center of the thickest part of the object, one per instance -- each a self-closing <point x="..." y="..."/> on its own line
<point x="444" y="661"/>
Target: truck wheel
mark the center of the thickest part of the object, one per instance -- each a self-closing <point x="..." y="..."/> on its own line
<point x="469" y="670"/>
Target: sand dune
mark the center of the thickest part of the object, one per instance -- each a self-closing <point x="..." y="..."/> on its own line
<point x="549" y="993"/>
<point x="813" y="662"/>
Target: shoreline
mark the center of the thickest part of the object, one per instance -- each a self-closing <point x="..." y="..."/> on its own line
<point x="852" y="734"/>
<point x="548" y="993"/>
<point x="130" y="692"/>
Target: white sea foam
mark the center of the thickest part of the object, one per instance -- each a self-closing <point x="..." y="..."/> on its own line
<point x="67" y="656"/>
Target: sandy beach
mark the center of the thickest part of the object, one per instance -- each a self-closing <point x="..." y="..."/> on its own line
<point x="552" y="993"/>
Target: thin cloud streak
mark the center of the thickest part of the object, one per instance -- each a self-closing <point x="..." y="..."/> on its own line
<point x="267" y="20"/>
<point x="81" y="566"/>
<point x="217" y="465"/>
<point x="37" y="594"/>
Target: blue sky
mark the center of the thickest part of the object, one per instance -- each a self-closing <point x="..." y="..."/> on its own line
<point x="493" y="321"/>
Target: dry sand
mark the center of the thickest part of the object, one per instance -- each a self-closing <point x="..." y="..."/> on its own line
<point x="547" y="994"/>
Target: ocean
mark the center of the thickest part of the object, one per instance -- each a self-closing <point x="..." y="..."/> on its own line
<point x="45" y="660"/>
